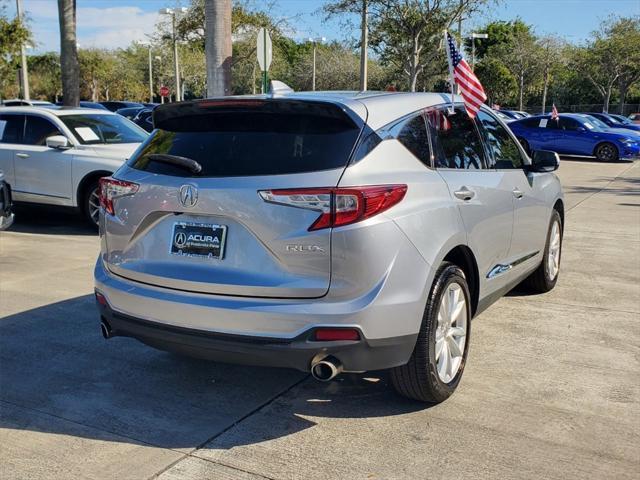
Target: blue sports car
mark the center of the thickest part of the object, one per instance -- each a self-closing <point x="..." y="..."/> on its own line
<point x="576" y="134"/>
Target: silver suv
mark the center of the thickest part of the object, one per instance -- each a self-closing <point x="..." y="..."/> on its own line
<point x="325" y="232"/>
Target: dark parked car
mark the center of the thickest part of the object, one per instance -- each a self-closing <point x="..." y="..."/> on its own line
<point x="144" y="119"/>
<point x="6" y="216"/>
<point x="612" y="121"/>
<point x="113" y="106"/>
<point x="129" y="112"/>
<point x="576" y="134"/>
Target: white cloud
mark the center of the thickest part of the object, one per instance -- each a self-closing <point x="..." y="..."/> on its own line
<point x="110" y="27"/>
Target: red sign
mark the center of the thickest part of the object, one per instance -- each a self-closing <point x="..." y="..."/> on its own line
<point x="164" y="91"/>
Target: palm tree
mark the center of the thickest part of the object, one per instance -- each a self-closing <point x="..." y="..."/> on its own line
<point x="69" y="53"/>
<point x="217" y="26"/>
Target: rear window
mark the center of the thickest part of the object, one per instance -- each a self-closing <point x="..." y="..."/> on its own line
<point x="234" y="139"/>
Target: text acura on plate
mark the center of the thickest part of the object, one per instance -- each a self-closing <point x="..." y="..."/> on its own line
<point x="325" y="232"/>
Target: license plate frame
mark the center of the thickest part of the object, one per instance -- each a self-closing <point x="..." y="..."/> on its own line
<point x="198" y="240"/>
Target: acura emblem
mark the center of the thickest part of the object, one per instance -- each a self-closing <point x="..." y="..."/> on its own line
<point x="180" y="240"/>
<point x="188" y="195"/>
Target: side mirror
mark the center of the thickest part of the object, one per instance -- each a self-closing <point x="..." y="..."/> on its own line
<point x="59" y="142"/>
<point x="544" y="161"/>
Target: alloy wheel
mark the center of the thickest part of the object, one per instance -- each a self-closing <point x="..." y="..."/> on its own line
<point x="94" y="206"/>
<point x="451" y="332"/>
<point x="553" y="255"/>
<point x="607" y="152"/>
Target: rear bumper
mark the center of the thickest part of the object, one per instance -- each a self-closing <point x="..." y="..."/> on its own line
<point x="258" y="331"/>
<point x="298" y="353"/>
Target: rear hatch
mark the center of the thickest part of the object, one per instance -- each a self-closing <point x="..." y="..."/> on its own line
<point x="212" y="230"/>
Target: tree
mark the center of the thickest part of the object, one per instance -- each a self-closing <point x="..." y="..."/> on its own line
<point x="521" y="55"/>
<point x="550" y="57"/>
<point x="612" y="58"/>
<point x="406" y="34"/>
<point x="218" y="48"/>
<point x="69" y="53"/>
<point x="13" y="33"/>
<point x="498" y="82"/>
<point x="44" y="73"/>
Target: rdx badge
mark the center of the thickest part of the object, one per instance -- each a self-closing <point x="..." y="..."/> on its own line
<point x="304" y="248"/>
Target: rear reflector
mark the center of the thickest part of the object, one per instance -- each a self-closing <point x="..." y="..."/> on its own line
<point x="339" y="206"/>
<point x="100" y="298"/>
<point x="110" y="189"/>
<point x="333" y="334"/>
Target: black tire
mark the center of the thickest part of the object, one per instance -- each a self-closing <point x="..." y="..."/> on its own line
<point x="607" y="152"/>
<point x="525" y="146"/>
<point x="539" y="281"/>
<point x="419" y="379"/>
<point x="88" y="198"/>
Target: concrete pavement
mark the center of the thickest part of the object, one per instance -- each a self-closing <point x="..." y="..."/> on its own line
<point x="551" y="389"/>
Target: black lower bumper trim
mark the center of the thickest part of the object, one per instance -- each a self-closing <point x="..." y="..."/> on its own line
<point x="297" y="353"/>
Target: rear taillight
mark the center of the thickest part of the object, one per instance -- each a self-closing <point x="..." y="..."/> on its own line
<point x="339" y="206"/>
<point x="111" y="189"/>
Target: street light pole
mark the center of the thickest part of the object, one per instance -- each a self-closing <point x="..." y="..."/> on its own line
<point x="473" y="47"/>
<point x="315" y="41"/>
<point x="173" y="12"/>
<point x="24" y="74"/>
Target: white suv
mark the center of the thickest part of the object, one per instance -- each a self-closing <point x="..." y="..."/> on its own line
<point x="56" y="156"/>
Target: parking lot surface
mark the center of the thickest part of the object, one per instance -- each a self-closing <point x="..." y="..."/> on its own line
<point x="551" y="390"/>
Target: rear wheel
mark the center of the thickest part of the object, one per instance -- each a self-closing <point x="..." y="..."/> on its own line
<point x="436" y="365"/>
<point x="91" y="204"/>
<point x="544" y="278"/>
<point x="607" y="152"/>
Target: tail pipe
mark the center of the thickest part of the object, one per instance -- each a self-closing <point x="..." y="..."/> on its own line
<point x="326" y="369"/>
<point x="105" y="328"/>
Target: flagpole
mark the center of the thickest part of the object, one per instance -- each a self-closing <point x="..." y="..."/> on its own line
<point x="452" y="81"/>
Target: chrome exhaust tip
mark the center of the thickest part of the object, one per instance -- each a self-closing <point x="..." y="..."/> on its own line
<point x="105" y="328"/>
<point x="326" y="369"/>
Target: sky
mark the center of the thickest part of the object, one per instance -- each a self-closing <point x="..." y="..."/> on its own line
<point x="116" y="23"/>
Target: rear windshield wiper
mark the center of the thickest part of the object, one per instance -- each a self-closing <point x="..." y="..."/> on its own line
<point x="177" y="160"/>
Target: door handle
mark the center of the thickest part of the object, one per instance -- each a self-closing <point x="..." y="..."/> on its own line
<point x="518" y="193"/>
<point x="22" y="155"/>
<point x="464" y="194"/>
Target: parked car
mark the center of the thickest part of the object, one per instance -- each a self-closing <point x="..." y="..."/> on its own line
<point x="504" y="117"/>
<point x="6" y="213"/>
<point x="57" y="156"/>
<point x="112" y="106"/>
<point x="576" y="134"/>
<point x="635" y="117"/>
<point x="612" y="121"/>
<point x="511" y="114"/>
<point x="144" y="119"/>
<point x="17" y="102"/>
<point x="87" y="104"/>
<point x="130" y="112"/>
<point x="325" y="232"/>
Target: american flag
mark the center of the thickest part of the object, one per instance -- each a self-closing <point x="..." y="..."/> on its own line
<point x="470" y="87"/>
<point x="554" y="112"/>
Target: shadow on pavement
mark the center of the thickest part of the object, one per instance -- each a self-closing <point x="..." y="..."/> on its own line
<point x="53" y="360"/>
<point x="50" y="220"/>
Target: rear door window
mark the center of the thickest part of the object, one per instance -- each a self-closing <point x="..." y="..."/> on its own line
<point x="11" y="128"/>
<point x="455" y="140"/>
<point x="38" y="129"/>
<point x="250" y="138"/>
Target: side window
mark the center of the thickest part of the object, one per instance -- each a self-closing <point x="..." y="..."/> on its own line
<point x="11" y="128"/>
<point x="455" y="140"/>
<point x="531" y="123"/>
<point x="569" y="124"/>
<point x="413" y="135"/>
<point x="503" y="150"/>
<point x="38" y="129"/>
